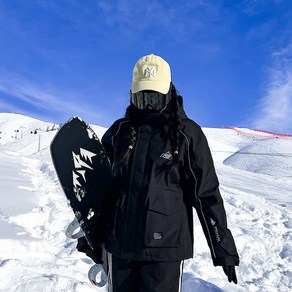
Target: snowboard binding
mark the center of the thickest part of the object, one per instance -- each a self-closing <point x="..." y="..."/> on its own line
<point x="96" y="274"/>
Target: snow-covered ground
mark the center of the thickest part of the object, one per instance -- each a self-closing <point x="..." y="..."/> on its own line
<point x="256" y="183"/>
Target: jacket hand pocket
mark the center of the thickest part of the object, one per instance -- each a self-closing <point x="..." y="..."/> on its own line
<point x="164" y="219"/>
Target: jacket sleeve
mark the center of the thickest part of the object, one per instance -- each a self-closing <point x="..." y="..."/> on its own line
<point x="207" y="200"/>
<point x="82" y="244"/>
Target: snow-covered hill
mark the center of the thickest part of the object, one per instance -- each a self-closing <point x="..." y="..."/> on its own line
<point x="255" y="174"/>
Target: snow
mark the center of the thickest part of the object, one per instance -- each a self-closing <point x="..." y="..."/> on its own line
<point x="255" y="175"/>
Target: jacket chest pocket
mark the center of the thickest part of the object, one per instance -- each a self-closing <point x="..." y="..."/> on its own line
<point x="164" y="219"/>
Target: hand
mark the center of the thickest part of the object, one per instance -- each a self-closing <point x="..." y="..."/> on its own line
<point x="95" y="255"/>
<point x="230" y="273"/>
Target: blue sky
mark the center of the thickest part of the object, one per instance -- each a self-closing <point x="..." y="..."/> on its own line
<point x="231" y="60"/>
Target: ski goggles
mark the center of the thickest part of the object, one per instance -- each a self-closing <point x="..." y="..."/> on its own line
<point x="151" y="99"/>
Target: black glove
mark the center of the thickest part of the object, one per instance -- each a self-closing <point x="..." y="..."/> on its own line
<point x="230" y="273"/>
<point x="95" y="255"/>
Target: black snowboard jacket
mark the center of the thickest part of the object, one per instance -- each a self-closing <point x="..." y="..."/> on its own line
<point x="150" y="205"/>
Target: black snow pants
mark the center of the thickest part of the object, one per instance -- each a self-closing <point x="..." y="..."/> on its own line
<point x="144" y="276"/>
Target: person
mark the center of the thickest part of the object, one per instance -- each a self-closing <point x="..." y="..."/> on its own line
<point x="162" y="168"/>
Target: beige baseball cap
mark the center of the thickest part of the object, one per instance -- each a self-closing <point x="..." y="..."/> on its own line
<point x="151" y="72"/>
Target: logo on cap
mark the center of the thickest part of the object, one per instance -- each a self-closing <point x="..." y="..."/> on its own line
<point x="150" y="72"/>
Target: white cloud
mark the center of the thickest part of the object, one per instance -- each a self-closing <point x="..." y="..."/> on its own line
<point x="34" y="98"/>
<point x="275" y="108"/>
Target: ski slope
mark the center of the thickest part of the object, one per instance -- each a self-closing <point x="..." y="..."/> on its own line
<point x="256" y="183"/>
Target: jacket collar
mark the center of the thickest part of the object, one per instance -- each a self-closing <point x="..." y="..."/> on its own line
<point x="150" y="117"/>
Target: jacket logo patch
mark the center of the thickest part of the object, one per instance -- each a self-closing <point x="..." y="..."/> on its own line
<point x="157" y="235"/>
<point x="166" y="155"/>
<point x="215" y="230"/>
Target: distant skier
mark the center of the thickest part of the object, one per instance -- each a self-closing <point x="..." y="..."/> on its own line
<point x="162" y="167"/>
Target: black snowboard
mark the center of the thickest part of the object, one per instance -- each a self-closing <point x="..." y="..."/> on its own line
<point x="85" y="175"/>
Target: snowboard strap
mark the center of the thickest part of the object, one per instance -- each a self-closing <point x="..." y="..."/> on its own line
<point x="72" y="227"/>
<point x="95" y="272"/>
